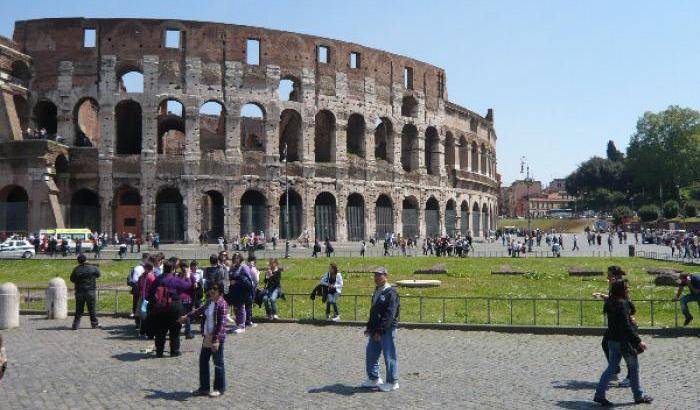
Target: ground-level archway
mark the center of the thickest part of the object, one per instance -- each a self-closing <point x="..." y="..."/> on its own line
<point x="295" y="215"/>
<point x="355" y="217"/>
<point x="464" y="218"/>
<point x="127" y="212"/>
<point x="432" y="217"/>
<point x="325" y="216"/>
<point x="384" y="216"/>
<point x="212" y="223"/>
<point x="253" y="213"/>
<point x="85" y="210"/>
<point x="451" y="219"/>
<point x="476" y="220"/>
<point x="14" y="209"/>
<point x="170" y="215"/>
<point x="410" y="217"/>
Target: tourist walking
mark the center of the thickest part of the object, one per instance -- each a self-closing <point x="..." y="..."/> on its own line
<point x="333" y="280"/>
<point x="329" y="248"/>
<point x="381" y="334"/>
<point x="84" y="278"/>
<point x="255" y="279"/>
<point x="239" y="291"/>
<point x="167" y="308"/>
<point x="214" y="313"/>
<point x="273" y="289"/>
<point x="145" y="285"/>
<point x="623" y="343"/>
<point x="133" y="282"/>
<point x="692" y="281"/>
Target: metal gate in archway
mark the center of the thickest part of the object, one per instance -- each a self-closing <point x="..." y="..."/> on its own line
<point x="13" y="216"/>
<point x="169" y="221"/>
<point x="384" y="220"/>
<point x="451" y="222"/>
<point x="325" y="217"/>
<point x="432" y="222"/>
<point x="409" y="220"/>
<point x="356" y="218"/>
<point x="464" y="222"/>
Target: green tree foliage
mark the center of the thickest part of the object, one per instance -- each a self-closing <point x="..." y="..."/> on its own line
<point x="599" y="182"/>
<point x="671" y="209"/>
<point x="621" y="213"/>
<point x="648" y="213"/>
<point x="613" y="153"/>
<point x="691" y="211"/>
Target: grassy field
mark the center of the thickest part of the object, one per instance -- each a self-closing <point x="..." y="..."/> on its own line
<point x="559" y="225"/>
<point x="466" y="278"/>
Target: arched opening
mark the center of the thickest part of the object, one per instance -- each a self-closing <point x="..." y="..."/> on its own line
<point x="87" y="123"/>
<point x="295" y="215"/>
<point x="46" y="118"/>
<point x="476" y="220"/>
<point x="21" y="108"/>
<point x="484" y="156"/>
<point x="409" y="106"/>
<point x="61" y="170"/>
<point x="409" y="148"/>
<point x="463" y="154"/>
<point x="384" y="216"/>
<point x="20" y="72"/>
<point x="289" y="89"/>
<point x="212" y="127"/>
<point x="212" y="226"/>
<point x="464" y="218"/>
<point x="355" y="217"/>
<point x="253" y="213"/>
<point x="432" y="217"/>
<point x="409" y="217"/>
<point x="451" y="219"/>
<point x="127" y="212"/>
<point x="290" y="136"/>
<point x="485" y="219"/>
<point x="432" y="151"/>
<point x="383" y="141"/>
<point x="449" y="151"/>
<point x="85" y="210"/>
<point x="14" y="210"/>
<point x="127" y="115"/>
<point x="355" y="135"/>
<point x="170" y="215"/>
<point x="325" y="216"/>
<point x="131" y="81"/>
<point x="252" y="128"/>
<point x="171" y="128"/>
<point x="324" y="136"/>
<point x="475" y="158"/>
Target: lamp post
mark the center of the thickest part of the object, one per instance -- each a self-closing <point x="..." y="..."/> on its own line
<point x="524" y="166"/>
<point x="286" y="207"/>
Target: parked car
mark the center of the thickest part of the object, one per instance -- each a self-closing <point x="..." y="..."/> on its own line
<point x="17" y="249"/>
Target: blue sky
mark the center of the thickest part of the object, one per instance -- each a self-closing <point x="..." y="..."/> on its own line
<point x="563" y="77"/>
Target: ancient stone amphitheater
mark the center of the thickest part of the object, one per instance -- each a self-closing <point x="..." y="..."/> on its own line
<point x="187" y="128"/>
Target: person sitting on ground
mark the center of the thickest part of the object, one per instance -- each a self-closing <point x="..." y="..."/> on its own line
<point x="692" y="281"/>
<point x="334" y="281"/>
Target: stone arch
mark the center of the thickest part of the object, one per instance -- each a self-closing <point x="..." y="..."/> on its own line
<point x="212" y="212"/>
<point x="127" y="210"/>
<point x="464" y="218"/>
<point x="324" y="136"/>
<point x="85" y="210"/>
<point x="449" y="151"/>
<point x="325" y="216"/>
<point x="290" y="135"/>
<point x="476" y="220"/>
<point x="355" y="135"/>
<point x="289" y="89"/>
<point x="485" y="225"/>
<point x="20" y="71"/>
<point x="432" y="151"/>
<point x="171" y="127"/>
<point x="409" y="148"/>
<point x="46" y="117"/>
<point x="253" y="136"/>
<point x="384" y="216"/>
<point x="475" y="158"/>
<point x="127" y="116"/>
<point x="130" y="80"/>
<point x="14" y="209"/>
<point x="484" y="159"/>
<point x="432" y="217"/>
<point x="463" y="154"/>
<point x="355" y="217"/>
<point x="383" y="140"/>
<point x="451" y="218"/>
<point x="253" y="212"/>
<point x="86" y="120"/>
<point x="170" y="215"/>
<point x="296" y="215"/>
<point x="212" y="126"/>
<point x="410" y="217"/>
<point x="409" y="106"/>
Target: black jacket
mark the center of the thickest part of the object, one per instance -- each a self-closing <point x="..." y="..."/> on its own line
<point x="620" y="328"/>
<point x="85" y="277"/>
<point x="384" y="313"/>
<point x="215" y="274"/>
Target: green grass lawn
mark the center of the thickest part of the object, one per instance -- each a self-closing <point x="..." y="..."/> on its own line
<point x="559" y="225"/>
<point x="471" y="278"/>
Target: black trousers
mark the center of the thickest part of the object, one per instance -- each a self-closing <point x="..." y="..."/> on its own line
<point x="81" y="299"/>
<point x="166" y="326"/>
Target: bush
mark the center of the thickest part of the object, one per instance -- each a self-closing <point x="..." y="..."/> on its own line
<point x="648" y="213"/>
<point x="691" y="211"/>
<point x="695" y="192"/>
<point x="671" y="209"/>
<point x="621" y="213"/>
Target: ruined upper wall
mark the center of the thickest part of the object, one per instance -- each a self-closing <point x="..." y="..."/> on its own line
<point x="50" y="41"/>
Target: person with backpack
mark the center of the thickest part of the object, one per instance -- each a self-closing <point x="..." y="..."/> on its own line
<point x="329" y="248"/>
<point x="145" y="286"/>
<point x="333" y="280"/>
<point x="214" y="274"/>
<point x="240" y="290"/>
<point x="133" y="282"/>
<point x="84" y="277"/>
<point x="167" y="308"/>
<point x="255" y="279"/>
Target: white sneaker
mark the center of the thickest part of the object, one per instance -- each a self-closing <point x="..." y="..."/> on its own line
<point x="371" y="384"/>
<point x="214" y="393"/>
<point x="275" y="317"/>
<point x="252" y="325"/>
<point x="387" y="387"/>
<point x="239" y="330"/>
<point x="335" y="318"/>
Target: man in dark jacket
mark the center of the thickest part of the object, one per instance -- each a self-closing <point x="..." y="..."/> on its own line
<point x="240" y="290"/>
<point x="381" y="333"/>
<point x="84" y="277"/>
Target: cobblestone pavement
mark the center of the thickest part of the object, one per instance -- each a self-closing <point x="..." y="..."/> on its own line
<point x="306" y="366"/>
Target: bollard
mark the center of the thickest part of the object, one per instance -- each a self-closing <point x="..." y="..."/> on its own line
<point x="57" y="299"/>
<point x="9" y="306"/>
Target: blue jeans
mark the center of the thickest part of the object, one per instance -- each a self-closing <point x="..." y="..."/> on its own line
<point x="690" y="297"/>
<point x="615" y="354"/>
<point x="219" y="373"/>
<point x="375" y="349"/>
<point x="270" y="301"/>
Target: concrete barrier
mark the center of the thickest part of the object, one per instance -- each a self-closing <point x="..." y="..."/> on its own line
<point x="9" y="306"/>
<point x="57" y="299"/>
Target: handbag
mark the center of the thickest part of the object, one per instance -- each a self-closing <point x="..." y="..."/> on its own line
<point x="144" y="308"/>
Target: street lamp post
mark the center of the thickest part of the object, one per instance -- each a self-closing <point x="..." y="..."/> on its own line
<point x="286" y="208"/>
<point x="528" y="183"/>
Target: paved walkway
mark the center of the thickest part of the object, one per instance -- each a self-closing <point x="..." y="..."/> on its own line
<point x="305" y="366"/>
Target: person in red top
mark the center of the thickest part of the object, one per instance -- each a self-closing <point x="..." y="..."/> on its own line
<point x="145" y="286"/>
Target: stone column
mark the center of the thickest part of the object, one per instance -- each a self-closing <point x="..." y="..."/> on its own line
<point x="468" y="166"/>
<point x="341" y="225"/>
<point x="9" y="306"/>
<point x="478" y="159"/>
<point x="64" y="87"/>
<point x="191" y="199"/>
<point x="57" y="299"/>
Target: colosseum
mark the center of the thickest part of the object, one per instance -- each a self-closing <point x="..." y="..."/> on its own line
<point x="190" y="128"/>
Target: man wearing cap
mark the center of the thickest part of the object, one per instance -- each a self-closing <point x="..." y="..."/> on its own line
<point x="692" y="281"/>
<point x="381" y="334"/>
<point x="84" y="277"/>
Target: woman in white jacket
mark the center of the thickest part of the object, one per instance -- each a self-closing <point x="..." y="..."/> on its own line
<point x="334" y="281"/>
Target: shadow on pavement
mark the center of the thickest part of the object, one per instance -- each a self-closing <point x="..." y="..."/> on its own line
<point x="165" y="395"/>
<point x="583" y="404"/>
<point x="57" y="328"/>
<point x="131" y="356"/>
<point x="341" y="389"/>
<point x="574" y="385"/>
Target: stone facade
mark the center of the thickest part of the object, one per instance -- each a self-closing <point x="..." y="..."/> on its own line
<point x="375" y="130"/>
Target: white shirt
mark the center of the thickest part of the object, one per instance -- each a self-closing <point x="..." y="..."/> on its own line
<point x="136" y="273"/>
<point x="210" y="320"/>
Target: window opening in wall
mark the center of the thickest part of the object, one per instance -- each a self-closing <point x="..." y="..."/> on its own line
<point x="252" y="128"/>
<point x="323" y="54"/>
<point x="172" y="38"/>
<point x="289" y="89"/>
<point x="131" y="82"/>
<point x="252" y="52"/>
<point x="408" y="78"/>
<point x="89" y="37"/>
<point x="354" y="60"/>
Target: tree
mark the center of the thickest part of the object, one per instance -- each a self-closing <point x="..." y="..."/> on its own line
<point x="613" y="153"/>
<point x="620" y="214"/>
<point x="648" y="213"/>
<point x="691" y="211"/>
<point x="671" y="209"/>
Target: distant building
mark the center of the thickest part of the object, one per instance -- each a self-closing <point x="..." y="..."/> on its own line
<point x="542" y="205"/>
<point x="515" y="197"/>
